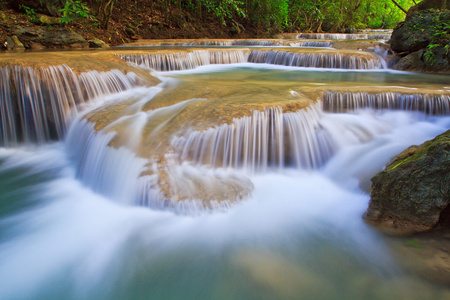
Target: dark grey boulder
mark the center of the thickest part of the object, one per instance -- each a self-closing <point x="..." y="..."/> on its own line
<point x="418" y="40"/>
<point x="413" y="193"/>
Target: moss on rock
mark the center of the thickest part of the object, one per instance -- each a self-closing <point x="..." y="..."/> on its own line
<point x="414" y="190"/>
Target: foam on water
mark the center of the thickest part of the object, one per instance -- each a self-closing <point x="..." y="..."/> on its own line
<point x="76" y="242"/>
<point x="73" y="225"/>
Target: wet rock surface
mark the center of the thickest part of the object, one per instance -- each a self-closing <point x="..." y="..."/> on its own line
<point x="413" y="193"/>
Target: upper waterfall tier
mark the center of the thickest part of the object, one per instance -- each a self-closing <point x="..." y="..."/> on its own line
<point x="36" y="104"/>
<point x="204" y="42"/>
<point x="310" y="58"/>
<point x="186" y="60"/>
<point x="344" y="36"/>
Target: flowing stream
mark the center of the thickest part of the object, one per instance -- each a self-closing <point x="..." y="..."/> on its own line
<point x="228" y="180"/>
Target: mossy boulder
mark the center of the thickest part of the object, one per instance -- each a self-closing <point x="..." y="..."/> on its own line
<point x="427" y="4"/>
<point x="436" y="60"/>
<point x="97" y="43"/>
<point x="47" y="20"/>
<point x="426" y="36"/>
<point x="13" y="43"/>
<point x="413" y="193"/>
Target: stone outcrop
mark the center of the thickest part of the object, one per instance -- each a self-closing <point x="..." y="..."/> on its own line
<point x="427" y="4"/>
<point x="97" y="43"/>
<point x="13" y="43"/>
<point x="54" y="38"/>
<point x="413" y="193"/>
<point x="421" y="40"/>
<point x="47" y="20"/>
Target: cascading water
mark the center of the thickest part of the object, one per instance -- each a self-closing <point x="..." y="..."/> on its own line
<point x="195" y="59"/>
<point x="343" y="36"/>
<point x="186" y="61"/>
<point x="317" y="60"/>
<point x="317" y="44"/>
<point x="429" y="104"/>
<point x="36" y="104"/>
<point x="72" y="225"/>
<point x="267" y="138"/>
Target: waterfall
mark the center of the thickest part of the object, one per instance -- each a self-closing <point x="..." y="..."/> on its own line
<point x="191" y="60"/>
<point x="332" y="60"/>
<point x="343" y="36"/>
<point x="429" y="104"/>
<point x="37" y="103"/>
<point x="186" y="60"/>
<point x="265" y="139"/>
<point x="235" y="43"/>
<point x="315" y="44"/>
<point x="254" y="43"/>
<point x="110" y="171"/>
<point x="120" y="174"/>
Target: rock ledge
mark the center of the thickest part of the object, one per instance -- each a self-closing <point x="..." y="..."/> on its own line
<point x="413" y="193"/>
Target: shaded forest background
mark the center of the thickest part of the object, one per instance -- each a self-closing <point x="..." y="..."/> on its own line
<point x="119" y="21"/>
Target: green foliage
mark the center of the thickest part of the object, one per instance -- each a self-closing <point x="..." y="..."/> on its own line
<point x="429" y="55"/>
<point x="31" y="13"/>
<point x="271" y="15"/>
<point x="224" y="9"/>
<point x="74" y="10"/>
<point x="336" y="15"/>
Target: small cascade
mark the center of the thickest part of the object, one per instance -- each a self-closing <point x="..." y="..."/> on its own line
<point x="186" y="60"/>
<point x="265" y="139"/>
<point x="343" y="36"/>
<point x="191" y="60"/>
<point x="118" y="174"/>
<point x="429" y="104"/>
<point x="386" y="54"/>
<point x="112" y="172"/>
<point x="37" y="103"/>
<point x="220" y="43"/>
<point x="332" y="60"/>
<point x="315" y="44"/>
<point x="254" y="43"/>
<point x="195" y="43"/>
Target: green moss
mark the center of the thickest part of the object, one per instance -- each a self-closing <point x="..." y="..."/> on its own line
<point x="415" y="153"/>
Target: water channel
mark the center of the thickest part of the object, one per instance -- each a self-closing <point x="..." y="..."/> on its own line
<point x="234" y="173"/>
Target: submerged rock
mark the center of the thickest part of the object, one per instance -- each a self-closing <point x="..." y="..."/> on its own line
<point x="413" y="193"/>
<point x="42" y="38"/>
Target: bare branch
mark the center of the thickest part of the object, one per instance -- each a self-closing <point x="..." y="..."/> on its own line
<point x="398" y="5"/>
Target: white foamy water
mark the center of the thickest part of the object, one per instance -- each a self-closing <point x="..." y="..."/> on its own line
<point x="76" y="222"/>
<point x="74" y="243"/>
